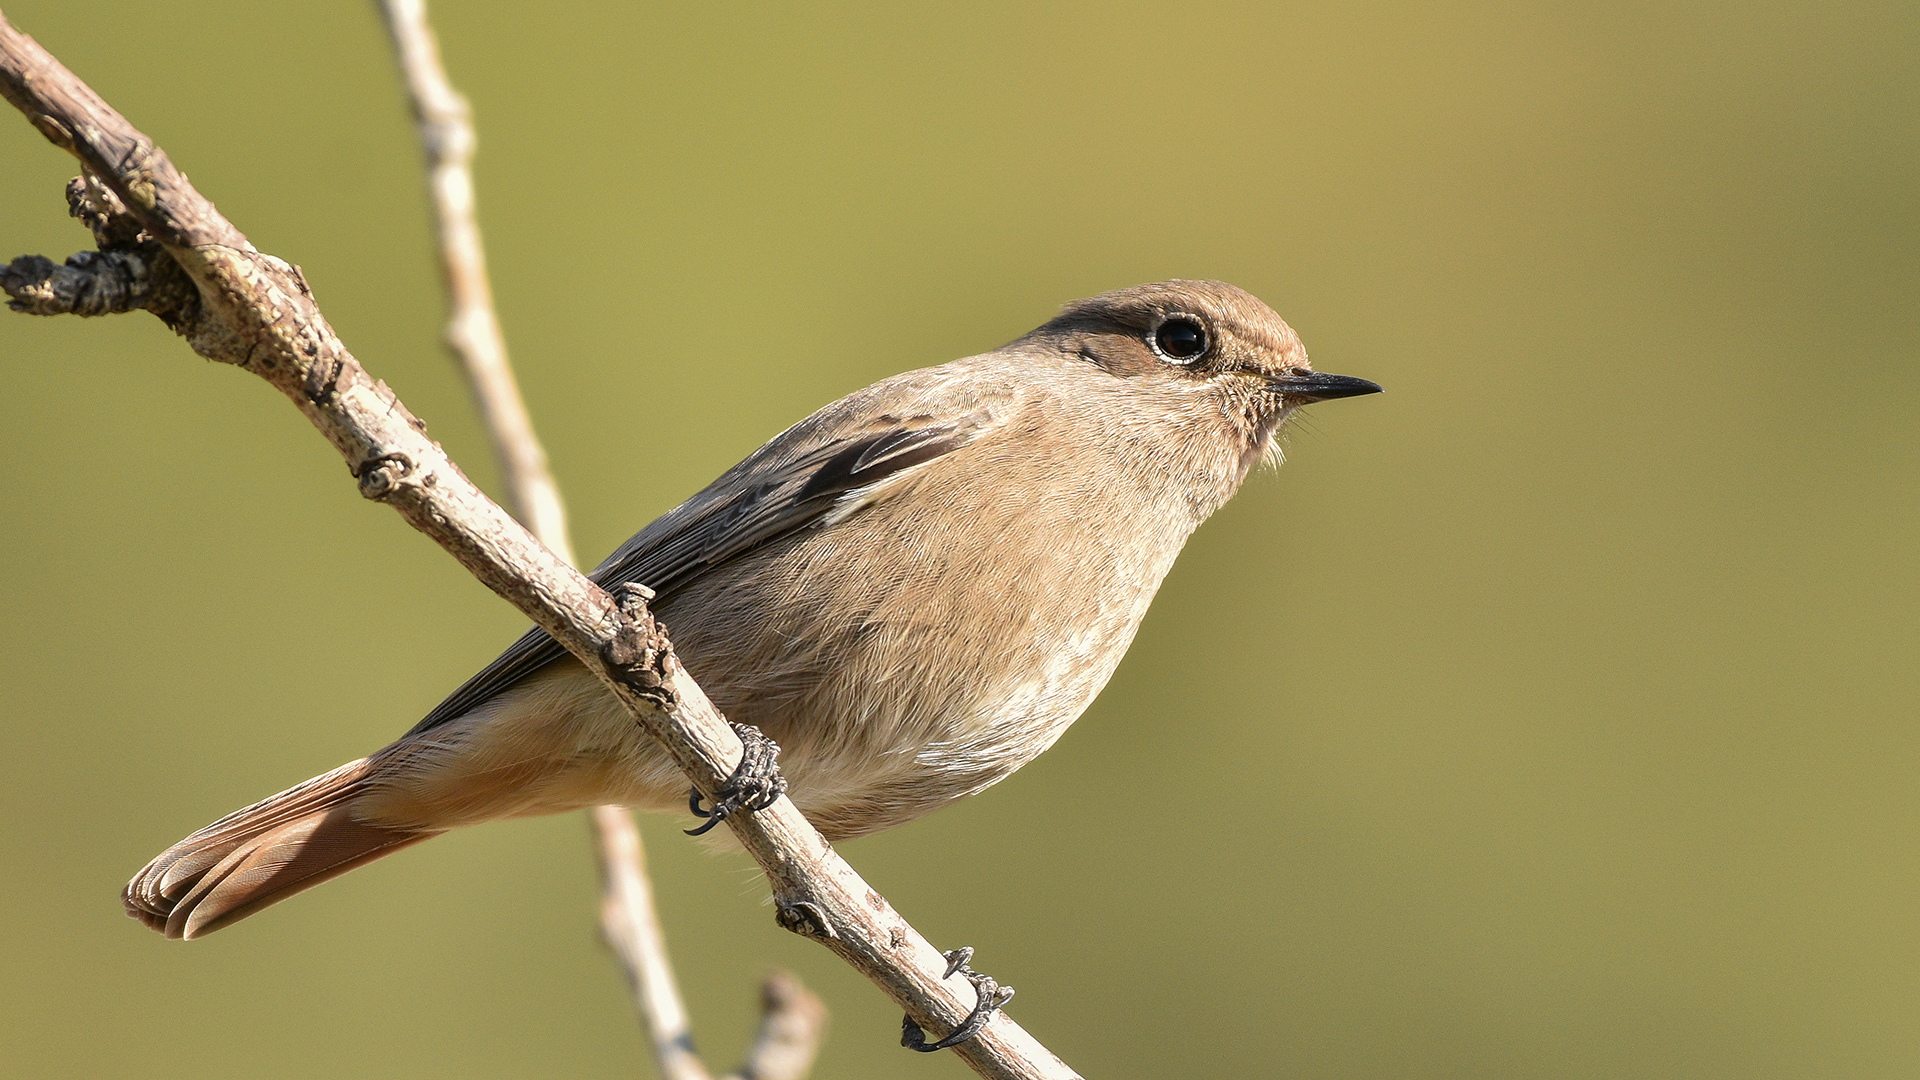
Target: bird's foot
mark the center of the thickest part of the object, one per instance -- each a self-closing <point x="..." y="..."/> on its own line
<point x="990" y="997"/>
<point x="756" y="782"/>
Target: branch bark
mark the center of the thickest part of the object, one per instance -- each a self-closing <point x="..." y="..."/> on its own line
<point x="256" y="312"/>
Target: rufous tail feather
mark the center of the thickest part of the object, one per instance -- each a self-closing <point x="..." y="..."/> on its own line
<point x="261" y="855"/>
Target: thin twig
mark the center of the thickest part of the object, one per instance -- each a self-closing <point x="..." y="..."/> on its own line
<point x="255" y="311"/>
<point x="473" y="331"/>
<point x="628" y="919"/>
<point x="792" y="1021"/>
<point x="632" y="929"/>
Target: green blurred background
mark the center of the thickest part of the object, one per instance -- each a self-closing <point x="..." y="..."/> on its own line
<point x="1553" y="715"/>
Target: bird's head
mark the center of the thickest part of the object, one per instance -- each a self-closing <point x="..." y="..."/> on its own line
<point x="1204" y="339"/>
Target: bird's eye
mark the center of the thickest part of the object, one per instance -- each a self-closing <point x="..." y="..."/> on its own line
<point x="1180" y="339"/>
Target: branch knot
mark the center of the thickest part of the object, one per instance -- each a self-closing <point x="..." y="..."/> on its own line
<point x="130" y="272"/>
<point x="380" y="477"/>
<point x="638" y="653"/>
<point x="803" y="917"/>
<point x="96" y="206"/>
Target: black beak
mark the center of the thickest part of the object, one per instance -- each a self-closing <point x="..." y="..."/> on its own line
<point x="1319" y="386"/>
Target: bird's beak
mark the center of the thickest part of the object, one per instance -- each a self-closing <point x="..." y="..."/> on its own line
<point x="1305" y="386"/>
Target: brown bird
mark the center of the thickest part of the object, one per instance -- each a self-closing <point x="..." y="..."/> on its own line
<point x="914" y="591"/>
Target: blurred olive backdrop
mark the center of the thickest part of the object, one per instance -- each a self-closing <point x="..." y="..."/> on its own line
<point x="1553" y="715"/>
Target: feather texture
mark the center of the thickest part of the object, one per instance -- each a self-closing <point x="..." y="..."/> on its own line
<point x="258" y="856"/>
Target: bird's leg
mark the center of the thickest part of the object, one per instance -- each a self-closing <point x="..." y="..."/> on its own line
<point x="756" y="782"/>
<point x="990" y="997"/>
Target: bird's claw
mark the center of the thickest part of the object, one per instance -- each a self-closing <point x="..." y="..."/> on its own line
<point x="756" y="783"/>
<point x="990" y="996"/>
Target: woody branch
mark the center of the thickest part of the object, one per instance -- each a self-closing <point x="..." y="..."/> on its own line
<point x="176" y="256"/>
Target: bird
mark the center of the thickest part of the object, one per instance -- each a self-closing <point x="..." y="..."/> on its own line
<point x="913" y="592"/>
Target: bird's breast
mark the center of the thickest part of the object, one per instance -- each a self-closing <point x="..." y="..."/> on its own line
<point x="927" y="646"/>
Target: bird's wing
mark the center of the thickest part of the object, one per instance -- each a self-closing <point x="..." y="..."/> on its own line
<point x="817" y="471"/>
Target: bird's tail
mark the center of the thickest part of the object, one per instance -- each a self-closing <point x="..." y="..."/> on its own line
<point x="261" y="855"/>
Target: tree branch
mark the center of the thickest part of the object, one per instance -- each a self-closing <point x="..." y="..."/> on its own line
<point x="256" y="312"/>
<point x="632" y="929"/>
<point x="793" y="1020"/>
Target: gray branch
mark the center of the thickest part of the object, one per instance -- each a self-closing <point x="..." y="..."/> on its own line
<point x="256" y="312"/>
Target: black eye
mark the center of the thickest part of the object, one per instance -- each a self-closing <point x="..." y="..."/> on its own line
<point x="1180" y="339"/>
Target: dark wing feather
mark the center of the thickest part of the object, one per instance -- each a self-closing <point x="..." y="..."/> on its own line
<point x="786" y="485"/>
